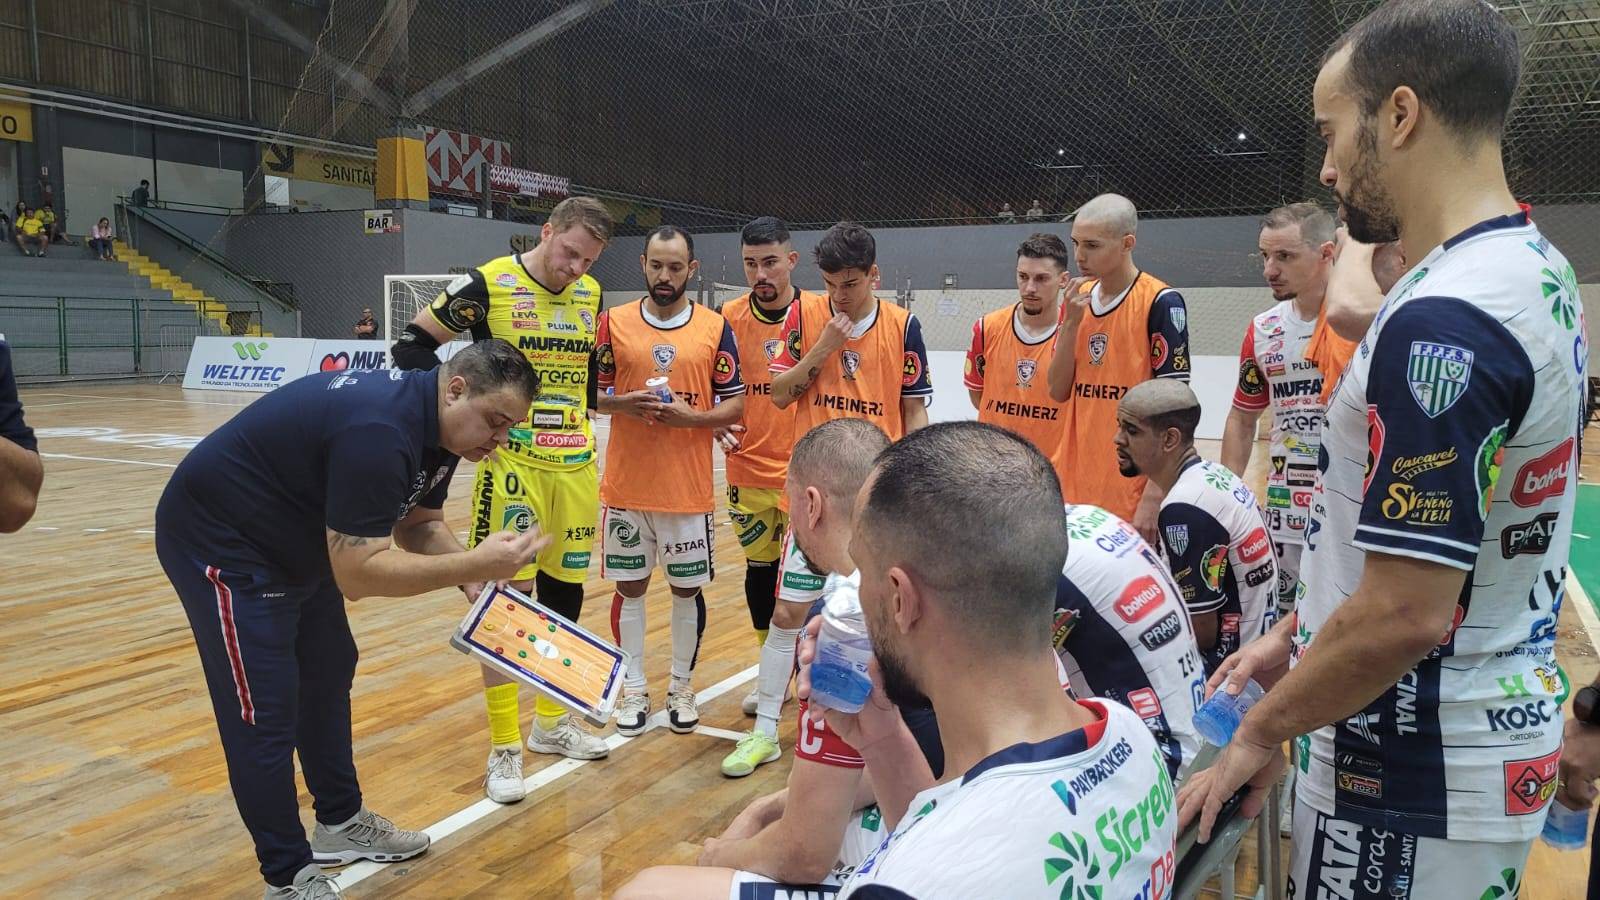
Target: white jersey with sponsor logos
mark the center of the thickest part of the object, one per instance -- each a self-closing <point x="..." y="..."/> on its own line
<point x="1275" y="375"/>
<point x="1123" y="634"/>
<point x="1217" y="545"/>
<point x="1089" y="813"/>
<point x="1452" y="439"/>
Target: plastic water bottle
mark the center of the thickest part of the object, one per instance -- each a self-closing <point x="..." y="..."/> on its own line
<point x="839" y="678"/>
<point x="1219" y="717"/>
<point x="658" y="386"/>
<point x="1566" y="829"/>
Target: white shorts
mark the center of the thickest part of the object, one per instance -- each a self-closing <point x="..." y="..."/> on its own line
<point x="1335" y="858"/>
<point x="798" y="583"/>
<point x="862" y="836"/>
<point x="631" y="540"/>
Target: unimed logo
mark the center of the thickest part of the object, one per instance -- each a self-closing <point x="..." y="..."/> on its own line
<point x="249" y="349"/>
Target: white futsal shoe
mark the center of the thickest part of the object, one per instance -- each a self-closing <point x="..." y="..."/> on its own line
<point x="503" y="783"/>
<point x="754" y="697"/>
<point x="567" y="739"/>
<point x="683" y="714"/>
<point x="632" y="712"/>
<point x="310" y="883"/>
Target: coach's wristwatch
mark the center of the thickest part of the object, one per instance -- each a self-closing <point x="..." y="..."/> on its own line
<point x="1586" y="705"/>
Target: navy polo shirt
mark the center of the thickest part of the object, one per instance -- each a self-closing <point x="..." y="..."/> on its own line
<point x="12" y="428"/>
<point x="349" y="451"/>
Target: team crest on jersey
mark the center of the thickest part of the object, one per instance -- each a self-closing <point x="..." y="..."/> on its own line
<point x="1158" y="351"/>
<point x="852" y="362"/>
<point x="587" y="318"/>
<point x="724" y="369"/>
<point x="1025" y="370"/>
<point x="663" y="354"/>
<point x="1097" y="347"/>
<point x="1178" y="538"/>
<point x="771" y="349"/>
<point x="910" y="369"/>
<point x="1438" y="375"/>
<point x="1179" y="318"/>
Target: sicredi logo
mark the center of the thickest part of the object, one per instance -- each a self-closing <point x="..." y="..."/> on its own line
<point x="1139" y="599"/>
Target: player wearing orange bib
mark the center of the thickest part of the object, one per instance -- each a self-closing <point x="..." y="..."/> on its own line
<point x="844" y="355"/>
<point x="1010" y="351"/>
<point x="758" y="448"/>
<point x="656" y="498"/>
<point x="1119" y="326"/>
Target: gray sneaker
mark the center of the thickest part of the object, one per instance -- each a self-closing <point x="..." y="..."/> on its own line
<point x="370" y="836"/>
<point x="567" y="739"/>
<point x="310" y="883"/>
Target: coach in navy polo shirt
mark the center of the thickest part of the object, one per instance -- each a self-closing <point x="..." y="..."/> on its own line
<point x="329" y="487"/>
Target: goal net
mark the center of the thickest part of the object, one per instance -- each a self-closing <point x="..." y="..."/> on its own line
<point x="404" y="296"/>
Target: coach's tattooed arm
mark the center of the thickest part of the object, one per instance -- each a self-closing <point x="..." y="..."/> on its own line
<point x="374" y="567"/>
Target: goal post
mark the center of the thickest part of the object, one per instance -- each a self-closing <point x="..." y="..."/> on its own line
<point x="404" y="296"/>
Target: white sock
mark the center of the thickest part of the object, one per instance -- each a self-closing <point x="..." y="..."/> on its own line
<point x="777" y="664"/>
<point x="688" y="620"/>
<point x="630" y="631"/>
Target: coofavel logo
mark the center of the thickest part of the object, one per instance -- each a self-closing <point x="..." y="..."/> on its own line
<point x="546" y="439"/>
<point x="1255" y="547"/>
<point x="1543" y="477"/>
<point x="1139" y="599"/>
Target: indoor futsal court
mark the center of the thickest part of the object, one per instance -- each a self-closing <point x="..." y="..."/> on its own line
<point x="309" y="307"/>
<point x="144" y="801"/>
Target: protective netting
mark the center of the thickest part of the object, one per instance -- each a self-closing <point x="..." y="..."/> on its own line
<point x="909" y="111"/>
<point x="705" y="114"/>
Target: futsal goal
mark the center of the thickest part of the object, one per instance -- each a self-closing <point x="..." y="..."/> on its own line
<point x="404" y="296"/>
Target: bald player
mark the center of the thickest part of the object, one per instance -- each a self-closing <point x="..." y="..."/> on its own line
<point x="1011" y="349"/>
<point x="1119" y="326"/>
<point x="1212" y="531"/>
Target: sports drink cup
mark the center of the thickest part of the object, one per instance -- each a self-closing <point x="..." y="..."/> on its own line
<point x="839" y="678"/>
<point x="1566" y="829"/>
<point x="1219" y="717"/>
<point x="658" y="386"/>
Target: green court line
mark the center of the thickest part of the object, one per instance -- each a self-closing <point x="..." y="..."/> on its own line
<point x="1585" y="556"/>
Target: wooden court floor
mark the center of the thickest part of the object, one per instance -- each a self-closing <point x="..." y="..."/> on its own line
<point x="114" y="778"/>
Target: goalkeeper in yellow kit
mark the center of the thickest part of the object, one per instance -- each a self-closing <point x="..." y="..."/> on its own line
<point x="545" y="303"/>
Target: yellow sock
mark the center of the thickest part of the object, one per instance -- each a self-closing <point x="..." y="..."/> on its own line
<point x="761" y="637"/>
<point x="504" y="729"/>
<point x="547" y="712"/>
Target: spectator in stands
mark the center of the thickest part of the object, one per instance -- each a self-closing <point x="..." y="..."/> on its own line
<point x="366" y="326"/>
<point x="1035" y="212"/>
<point x="54" y="226"/>
<point x="1005" y="216"/>
<point x="30" y="230"/>
<point x="21" y="473"/>
<point x="19" y="213"/>
<point x="100" y="240"/>
<point x="141" y="194"/>
<point x="5" y="226"/>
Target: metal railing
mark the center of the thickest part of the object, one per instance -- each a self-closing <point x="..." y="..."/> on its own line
<point x="279" y="292"/>
<point x="64" y="336"/>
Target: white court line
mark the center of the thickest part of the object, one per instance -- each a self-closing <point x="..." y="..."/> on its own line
<point x="725" y="734"/>
<point x="1580" y="599"/>
<point x="46" y="528"/>
<point x="144" y="531"/>
<point x="449" y="825"/>
<point x="130" y="462"/>
<point x="95" y="530"/>
<point x="33" y="406"/>
<point x="242" y="394"/>
<point x="1583" y="536"/>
